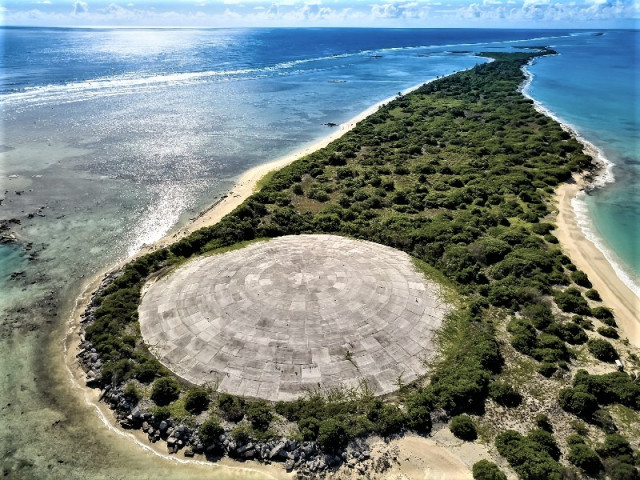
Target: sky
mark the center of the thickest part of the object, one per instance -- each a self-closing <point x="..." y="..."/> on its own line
<point x="323" y="13"/>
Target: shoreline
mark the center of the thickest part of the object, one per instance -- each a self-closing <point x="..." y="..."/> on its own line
<point x="243" y="187"/>
<point x="588" y="258"/>
<point x="604" y="274"/>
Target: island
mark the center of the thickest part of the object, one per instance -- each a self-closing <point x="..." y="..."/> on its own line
<point x="438" y="210"/>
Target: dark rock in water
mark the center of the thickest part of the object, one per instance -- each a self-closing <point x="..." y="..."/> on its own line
<point x="331" y="124"/>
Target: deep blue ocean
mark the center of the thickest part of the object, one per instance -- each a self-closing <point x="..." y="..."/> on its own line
<point x="110" y="138"/>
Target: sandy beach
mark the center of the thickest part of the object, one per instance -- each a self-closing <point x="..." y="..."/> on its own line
<point x="588" y="258"/>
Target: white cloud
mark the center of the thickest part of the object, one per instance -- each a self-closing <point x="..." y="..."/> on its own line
<point x="383" y="13"/>
<point x="80" y="8"/>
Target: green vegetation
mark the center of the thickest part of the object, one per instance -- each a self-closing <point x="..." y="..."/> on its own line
<point x="463" y="427"/>
<point x="504" y="394"/>
<point x="196" y="400"/>
<point x="165" y="391"/>
<point x="458" y="174"/>
<point x="531" y="456"/>
<point x="232" y="407"/>
<point x="543" y="422"/>
<point x="602" y="350"/>
<point x="210" y="430"/>
<point x="592" y="294"/>
<point x="584" y="457"/>
<point x="486" y="470"/>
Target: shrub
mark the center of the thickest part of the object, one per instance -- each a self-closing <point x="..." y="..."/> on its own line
<point x="241" y="434"/>
<point x="615" y="445"/>
<point x="164" y="391"/>
<point x="486" y="470"/>
<point x="259" y="414"/>
<point x="308" y="428"/>
<point x="528" y="458"/>
<point x="546" y="441"/>
<point x="608" y="332"/>
<point x="232" y="407"/>
<point x="584" y="458"/>
<point x="132" y="392"/>
<point x="462" y="427"/>
<point x="592" y="294"/>
<point x="602" y="313"/>
<point x="504" y="394"/>
<point x="210" y="431"/>
<point x="332" y="436"/>
<point x="579" y="403"/>
<point x="419" y="406"/>
<point x="602" y="350"/>
<point x="571" y="301"/>
<point x="161" y="413"/>
<point x="580" y="278"/>
<point x="547" y="369"/>
<point x="543" y="422"/>
<point x="196" y="400"/>
<point x="539" y="315"/>
<point x="614" y="387"/>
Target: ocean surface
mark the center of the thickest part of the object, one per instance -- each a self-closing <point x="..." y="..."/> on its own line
<point x="112" y="138"/>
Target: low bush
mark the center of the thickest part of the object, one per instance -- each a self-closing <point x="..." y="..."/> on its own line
<point x="332" y="436"/>
<point x="132" y="392"/>
<point x="196" y="400"/>
<point x="528" y="458"/>
<point x="581" y="404"/>
<point x="463" y="427"/>
<point x="614" y="387"/>
<point x="602" y="350"/>
<point x="546" y="441"/>
<point x="164" y="391"/>
<point x="210" y="431"/>
<point x="602" y="313"/>
<point x="571" y="301"/>
<point x="584" y="458"/>
<point x="486" y="470"/>
<point x="592" y="294"/>
<point x="608" y="332"/>
<point x="504" y="394"/>
<point x="547" y="369"/>
<point x="543" y="422"/>
<point x="580" y="278"/>
<point x="232" y="407"/>
<point x="259" y="414"/>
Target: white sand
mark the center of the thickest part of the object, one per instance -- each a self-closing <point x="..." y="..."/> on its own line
<point x="588" y="258"/>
